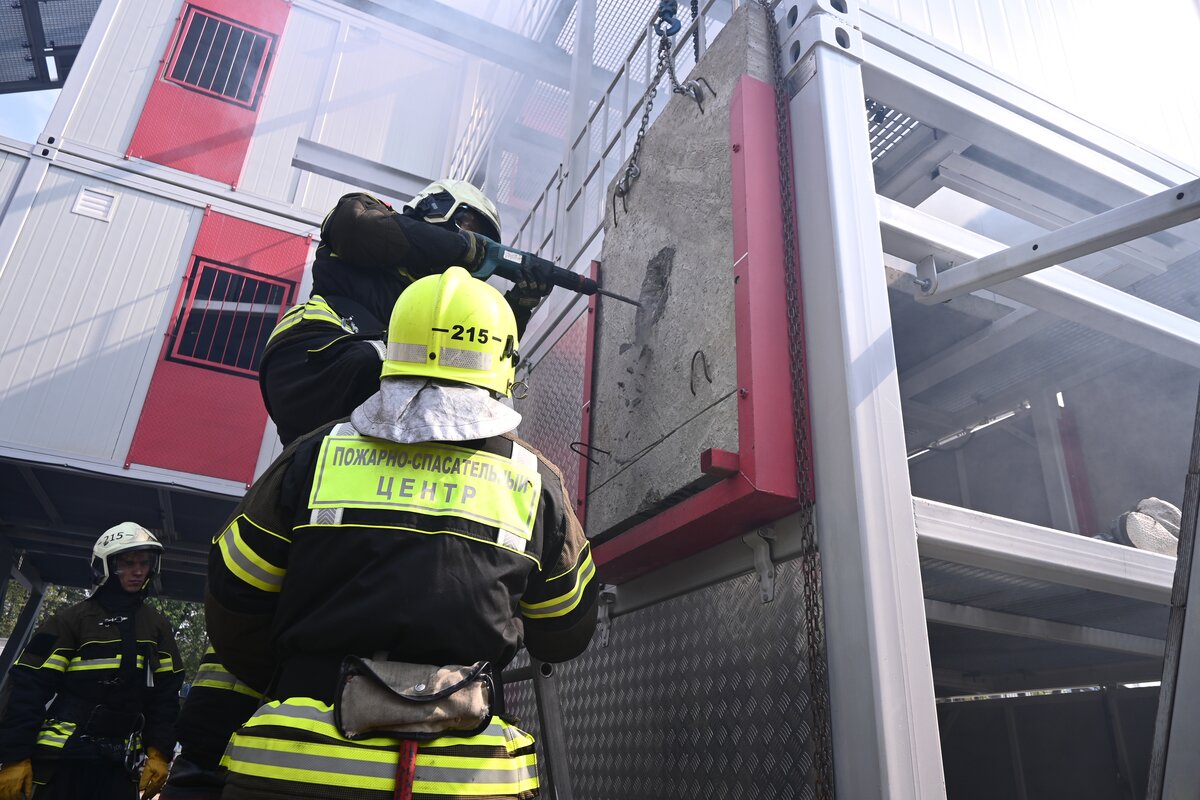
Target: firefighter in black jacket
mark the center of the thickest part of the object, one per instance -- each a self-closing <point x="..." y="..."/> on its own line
<point x="323" y="360"/>
<point x="420" y="532"/>
<point x="323" y="357"/>
<point x="111" y="665"/>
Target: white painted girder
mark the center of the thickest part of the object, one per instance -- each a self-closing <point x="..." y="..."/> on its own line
<point x="912" y="235"/>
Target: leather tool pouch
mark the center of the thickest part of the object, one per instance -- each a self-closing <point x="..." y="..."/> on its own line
<point x="411" y="701"/>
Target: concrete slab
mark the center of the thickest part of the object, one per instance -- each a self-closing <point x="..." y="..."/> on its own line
<point x="665" y="375"/>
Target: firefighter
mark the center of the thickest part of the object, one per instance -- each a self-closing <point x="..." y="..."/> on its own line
<point x="419" y="532"/>
<point x="112" y="668"/>
<point x="323" y="357"/>
<point x="323" y="360"/>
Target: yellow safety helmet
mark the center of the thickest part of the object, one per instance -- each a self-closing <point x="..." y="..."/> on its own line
<point x="453" y="327"/>
<point x="450" y="201"/>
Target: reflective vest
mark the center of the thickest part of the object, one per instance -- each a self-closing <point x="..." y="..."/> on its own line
<point x="295" y="745"/>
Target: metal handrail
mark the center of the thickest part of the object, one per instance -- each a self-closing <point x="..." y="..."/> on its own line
<point x="566" y="235"/>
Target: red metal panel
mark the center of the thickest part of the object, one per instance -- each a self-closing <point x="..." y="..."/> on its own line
<point x="764" y="486"/>
<point x="211" y="421"/>
<point x="201" y="111"/>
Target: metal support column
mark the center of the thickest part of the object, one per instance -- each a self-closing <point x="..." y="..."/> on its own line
<point x="554" y="737"/>
<point x="1174" y="768"/>
<point x="7" y="562"/>
<point x="578" y="155"/>
<point x="1054" y="464"/>
<point x="885" y="731"/>
<point x="21" y="631"/>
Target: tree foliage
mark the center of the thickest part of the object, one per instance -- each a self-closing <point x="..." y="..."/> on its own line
<point x="187" y="619"/>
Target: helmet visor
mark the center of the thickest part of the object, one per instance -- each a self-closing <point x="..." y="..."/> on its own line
<point x="134" y="567"/>
<point x="468" y="219"/>
<point x="440" y="208"/>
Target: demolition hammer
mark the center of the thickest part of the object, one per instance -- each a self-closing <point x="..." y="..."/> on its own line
<point x="509" y="265"/>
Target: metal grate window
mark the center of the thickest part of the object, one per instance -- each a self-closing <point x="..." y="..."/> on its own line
<point x="221" y="58"/>
<point x="226" y="316"/>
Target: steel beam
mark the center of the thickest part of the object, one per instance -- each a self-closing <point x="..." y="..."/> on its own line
<point x="479" y="38"/>
<point x="1048" y="211"/>
<point x="167" y="514"/>
<point x="553" y="732"/>
<point x="321" y="159"/>
<point x="885" y="740"/>
<point x="909" y="233"/>
<point x="21" y="632"/>
<point x="39" y="492"/>
<point x="961" y="536"/>
<point x="1174" y="770"/>
<point x="1151" y="214"/>
<point x="981" y="619"/>
<point x="1134" y="671"/>
<point x="1048" y="440"/>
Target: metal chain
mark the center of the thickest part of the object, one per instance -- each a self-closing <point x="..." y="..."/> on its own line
<point x="665" y="26"/>
<point x="810" y="559"/>
<point x="633" y="171"/>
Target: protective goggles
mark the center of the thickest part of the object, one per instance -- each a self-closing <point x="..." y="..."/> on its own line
<point x="441" y="208"/>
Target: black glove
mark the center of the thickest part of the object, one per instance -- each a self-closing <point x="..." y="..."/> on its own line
<point x="535" y="278"/>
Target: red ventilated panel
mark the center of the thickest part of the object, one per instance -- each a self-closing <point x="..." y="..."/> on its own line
<point x="203" y="413"/>
<point x="202" y="109"/>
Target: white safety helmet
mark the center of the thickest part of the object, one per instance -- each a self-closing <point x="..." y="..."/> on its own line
<point x="447" y="200"/>
<point x="124" y="538"/>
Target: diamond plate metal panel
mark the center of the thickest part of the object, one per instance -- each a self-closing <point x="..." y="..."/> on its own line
<point x="703" y="696"/>
<point x="552" y="412"/>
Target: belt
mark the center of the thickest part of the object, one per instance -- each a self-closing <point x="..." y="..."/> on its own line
<point x="316" y="677"/>
<point x="95" y="719"/>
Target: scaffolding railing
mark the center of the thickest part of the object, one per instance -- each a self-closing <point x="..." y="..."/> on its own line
<point x="566" y="219"/>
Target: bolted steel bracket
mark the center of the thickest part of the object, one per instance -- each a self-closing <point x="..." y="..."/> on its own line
<point x="760" y="542"/>
<point x="608" y="596"/>
<point x="927" y="275"/>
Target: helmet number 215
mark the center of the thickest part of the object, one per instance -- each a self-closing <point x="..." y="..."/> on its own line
<point x="469" y="334"/>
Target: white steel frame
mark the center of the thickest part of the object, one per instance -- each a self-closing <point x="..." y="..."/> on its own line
<point x="959" y="98"/>
<point x="885" y="740"/>
<point x="871" y="529"/>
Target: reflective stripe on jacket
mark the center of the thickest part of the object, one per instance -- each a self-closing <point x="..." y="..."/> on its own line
<point x="212" y="675"/>
<point x="315" y="310"/>
<point x="295" y="746"/>
<point x="76" y="658"/>
<point x="55" y="733"/>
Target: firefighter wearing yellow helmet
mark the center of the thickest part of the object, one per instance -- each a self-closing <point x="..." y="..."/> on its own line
<point x="110" y="671"/>
<point x="419" y="542"/>
<point x="323" y="360"/>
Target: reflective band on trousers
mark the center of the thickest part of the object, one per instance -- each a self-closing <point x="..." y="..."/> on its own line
<point x="444" y="766"/>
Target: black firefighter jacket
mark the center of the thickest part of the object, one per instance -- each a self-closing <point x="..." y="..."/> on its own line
<point x="434" y="553"/>
<point x="104" y="667"/>
<point x="318" y="365"/>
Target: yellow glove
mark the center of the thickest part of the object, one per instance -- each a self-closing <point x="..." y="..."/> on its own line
<point x="16" y="781"/>
<point x="154" y="773"/>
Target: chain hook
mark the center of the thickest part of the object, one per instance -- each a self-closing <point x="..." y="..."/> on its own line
<point x="667" y="23"/>
<point x="692" y="89"/>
